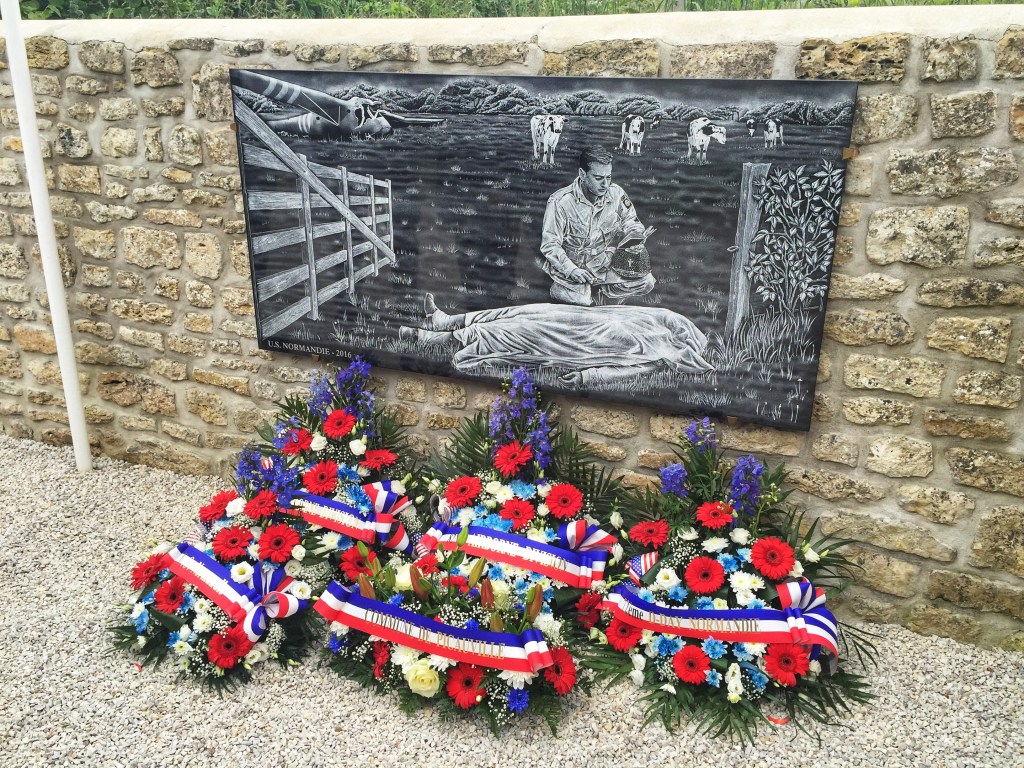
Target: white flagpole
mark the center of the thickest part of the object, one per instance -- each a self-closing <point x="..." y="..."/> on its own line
<point x="24" y="100"/>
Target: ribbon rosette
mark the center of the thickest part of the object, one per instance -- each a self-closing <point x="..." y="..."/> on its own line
<point x="380" y="523"/>
<point x="265" y="596"/>
<point x="810" y="622"/>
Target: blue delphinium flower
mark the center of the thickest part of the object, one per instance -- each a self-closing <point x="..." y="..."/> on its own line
<point x="395" y="600"/>
<point x="678" y="594"/>
<point x="522" y="489"/>
<point x="518" y="700"/>
<point x="739" y="650"/>
<point x="701" y="434"/>
<point x="666" y="645"/>
<point x="745" y="490"/>
<point x="714" y="677"/>
<point x="673" y="479"/>
<point x="336" y="643"/>
<point x="704" y="604"/>
<point x="715" y="649"/>
<point x="729" y="562"/>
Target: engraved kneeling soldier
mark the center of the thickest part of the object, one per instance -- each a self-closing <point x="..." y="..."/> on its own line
<point x="593" y="243"/>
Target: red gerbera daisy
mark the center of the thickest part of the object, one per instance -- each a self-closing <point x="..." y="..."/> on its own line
<point x="564" y="500"/>
<point x="263" y="504"/>
<point x="339" y="424"/>
<point x="461" y="583"/>
<point x="520" y="512"/>
<point x="353" y="563"/>
<point x="464" y="685"/>
<point x="704" y="575"/>
<point x="773" y="557"/>
<point x="226" y="648"/>
<point x="297" y="441"/>
<point x="427" y="564"/>
<point x="623" y="636"/>
<point x="170" y="595"/>
<point x="381" y="654"/>
<point x="510" y="458"/>
<point x="217" y="506"/>
<point x="691" y="664"/>
<point x="562" y="673"/>
<point x="146" y="571"/>
<point x="462" y="490"/>
<point x="783" y="662"/>
<point x="653" y="533"/>
<point x="588" y="610"/>
<point x="321" y="478"/>
<point x="277" y="542"/>
<point x="230" y="543"/>
<point x="379" y="458"/>
<point x="714" y="514"/>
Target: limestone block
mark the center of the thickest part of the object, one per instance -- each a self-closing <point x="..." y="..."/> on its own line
<point x="942" y="422"/>
<point x="102" y="56"/>
<point x="998" y="543"/>
<point x="970" y="591"/>
<point x="211" y="92"/>
<point x="604" y="58"/>
<point x="1000" y="251"/>
<point x="737" y="61"/>
<point x="875" y="59"/>
<point x="883" y="117"/>
<point x="863" y="327"/>
<point x="156" y="68"/>
<point x="206" y="405"/>
<point x="983" y="337"/>
<point x="894" y="535"/>
<point x="915" y="376"/>
<point x="936" y="504"/>
<point x="833" y="485"/>
<point x="900" y="456"/>
<point x="970" y="292"/>
<point x="950" y="58"/>
<point x="873" y="285"/>
<point x="604" y="421"/>
<point x="364" y="55"/>
<point x="947" y="172"/>
<point x="149" y="248"/>
<point x="928" y="237"/>
<point x="972" y="113"/>
<point x="1010" y="54"/>
<point x="448" y="395"/>
<point x="988" y="470"/>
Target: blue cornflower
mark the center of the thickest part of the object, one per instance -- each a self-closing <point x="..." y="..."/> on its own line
<point x="550" y="534"/>
<point x="713" y="677"/>
<point x="395" y="600"/>
<point x="715" y="649"/>
<point x="678" y="594"/>
<point x="518" y="700"/>
<point x="701" y="434"/>
<point x="757" y="677"/>
<point x="704" y="604"/>
<point x="173" y="638"/>
<point x="673" y="479"/>
<point x="187" y="601"/>
<point x="739" y="650"/>
<point x="522" y="489"/>
<point x="729" y="562"/>
<point x="667" y="646"/>
<point x="495" y="573"/>
<point x="549" y="594"/>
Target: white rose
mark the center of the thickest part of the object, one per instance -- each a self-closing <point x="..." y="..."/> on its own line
<point x="423" y="680"/>
<point x="636" y="677"/>
<point x="403" y="580"/>
<point x="639" y="662"/>
<point x="292" y="568"/>
<point x="298" y="551"/>
<point x="615" y="519"/>
<point x="740" y="536"/>
<point x="318" y="443"/>
<point x="241" y="572"/>
<point x="357" y="447"/>
<point x="490" y="503"/>
<point x="235" y="507"/>
<point x="493" y="487"/>
<point x="666" y="579"/>
<point x="434" y="486"/>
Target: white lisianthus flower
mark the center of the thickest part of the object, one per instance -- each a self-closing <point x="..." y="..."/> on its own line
<point x="689" y="535"/>
<point x="542" y="510"/>
<point x="403" y="655"/>
<point x="740" y="536"/>
<point x="301" y="590"/>
<point x="755" y="649"/>
<point x="357" y="447"/>
<point x="636" y="677"/>
<point x="639" y="662"/>
<point x="721" y="604"/>
<point x="536" y="534"/>
<point x="617" y="552"/>
<point x="298" y="551"/>
<point x="256" y="654"/>
<point x="598" y="636"/>
<point x="338" y="629"/>
<point x="466" y="516"/>
<point x="235" y="507"/>
<point x="798" y="569"/>
<point x="651" y="650"/>
<point x="732" y="673"/>
<point x="615" y="519"/>
<point x="810" y="555"/>
<point x="493" y="487"/>
<point x="715" y="544"/>
<point x="434" y="486"/>
<point x="318" y="443"/>
<point x="744" y="597"/>
<point x="666" y="579"/>
<point x="734" y="696"/>
<point x="203" y="622"/>
<point x="403" y="579"/>
<point x="292" y="568"/>
<point x="422" y="679"/>
<point x="543" y="489"/>
<point x="646" y="637"/>
<point x="490" y="503"/>
<point x="517" y="680"/>
<point x="440" y="663"/>
<point x="241" y="572"/>
<point x="669" y="688"/>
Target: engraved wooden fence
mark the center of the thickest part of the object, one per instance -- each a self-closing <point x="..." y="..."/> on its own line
<point x="365" y="218"/>
<point x="746" y="229"/>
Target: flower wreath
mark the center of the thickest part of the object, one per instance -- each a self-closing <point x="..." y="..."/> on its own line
<point x="237" y="591"/>
<point x="692" y="622"/>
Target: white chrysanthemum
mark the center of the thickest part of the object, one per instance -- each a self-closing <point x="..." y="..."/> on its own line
<point x="235" y="507"/>
<point x="639" y="662"/>
<point x="362" y="471"/>
<point x="517" y="680"/>
<point x="543" y="489"/>
<point x="502" y="593"/>
<point x="741" y="581"/>
<point x="490" y="503"/>
<point x="689" y="535"/>
<point x="140" y="641"/>
<point x="338" y="629"/>
<point x="181" y="648"/>
<point x="202" y="605"/>
<point x="636" y="677"/>
<point x="504" y="494"/>
<point x="203" y="622"/>
<point x="740" y="536"/>
<point x="755" y="649"/>
<point x="798" y="570"/>
<point x="357" y="447"/>
<point x="542" y="510"/>
<point x="615" y="519"/>
<point x="666" y="579"/>
<point x="466" y="516"/>
<point x="330" y="540"/>
<point x="493" y="487"/>
<point x="301" y="590"/>
<point x="721" y="604"/>
<point x="318" y="443"/>
<point x="548" y="625"/>
<point x="513" y="572"/>
<point x="440" y="663"/>
<point x="715" y="544"/>
<point x="292" y="568"/>
<point x="137" y="610"/>
<point x="241" y="572"/>
<point x="403" y="655"/>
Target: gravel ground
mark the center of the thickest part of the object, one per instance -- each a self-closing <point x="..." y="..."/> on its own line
<point x="68" y="540"/>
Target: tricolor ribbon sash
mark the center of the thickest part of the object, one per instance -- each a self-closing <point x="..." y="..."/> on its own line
<point x="265" y="596"/>
<point x="578" y="562"/>
<point x="527" y="652"/>
<point x="803" y="620"/>
<point x="381" y="523"/>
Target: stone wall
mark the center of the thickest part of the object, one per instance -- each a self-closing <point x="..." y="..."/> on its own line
<point x="917" y="446"/>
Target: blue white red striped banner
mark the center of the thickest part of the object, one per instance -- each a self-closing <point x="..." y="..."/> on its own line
<point x="367" y="527"/>
<point x="577" y="568"/>
<point x="527" y="652"/>
<point x="804" y="620"/>
<point x="262" y="597"/>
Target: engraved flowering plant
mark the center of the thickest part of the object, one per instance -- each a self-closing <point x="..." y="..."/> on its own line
<point x="721" y="609"/>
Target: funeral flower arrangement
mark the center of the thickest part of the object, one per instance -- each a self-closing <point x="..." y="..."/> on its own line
<point x="239" y="590"/>
<point x="721" y="610"/>
<point x="482" y="620"/>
